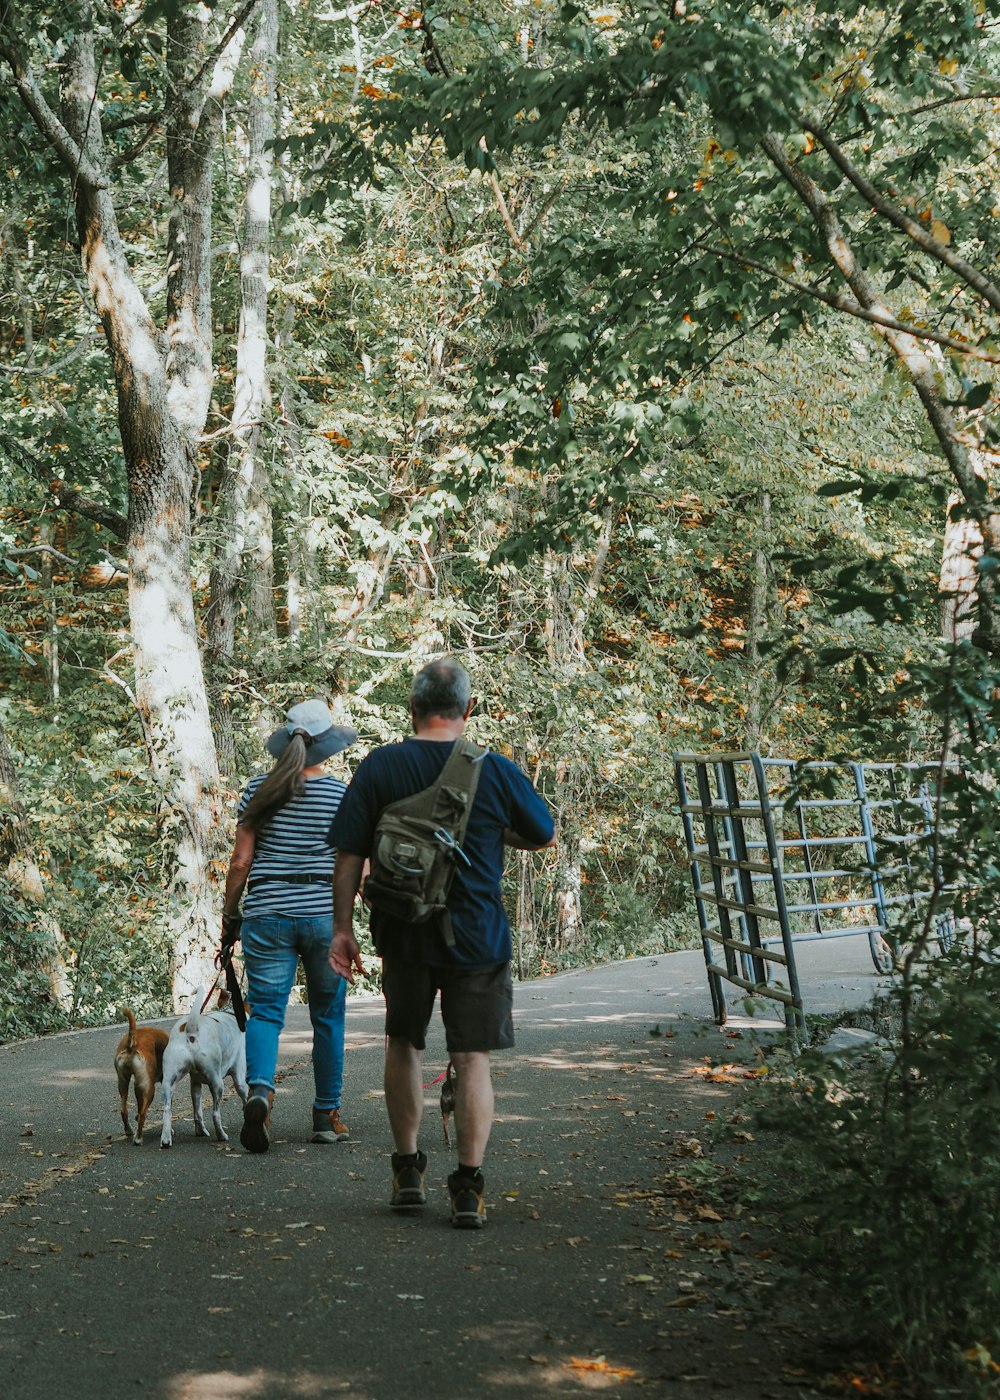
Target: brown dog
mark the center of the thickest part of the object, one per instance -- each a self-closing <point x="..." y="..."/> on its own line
<point x="139" y="1057"/>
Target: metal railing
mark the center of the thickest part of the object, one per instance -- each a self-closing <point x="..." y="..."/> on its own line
<point x="782" y="852"/>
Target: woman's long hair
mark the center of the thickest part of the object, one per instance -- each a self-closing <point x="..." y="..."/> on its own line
<point x="282" y="784"/>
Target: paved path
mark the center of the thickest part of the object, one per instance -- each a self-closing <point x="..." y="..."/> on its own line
<point x="204" y="1273"/>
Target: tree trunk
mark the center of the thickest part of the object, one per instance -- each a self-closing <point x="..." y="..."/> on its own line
<point x="50" y="646"/>
<point x="963" y="545"/>
<point x="245" y="483"/>
<point x="569" y="868"/>
<point x="11" y="253"/>
<point x="192" y="120"/>
<point x="20" y="868"/>
<point x="169" y="685"/>
<point x="756" y="623"/>
<point x="568" y="611"/>
<point x="260" y="555"/>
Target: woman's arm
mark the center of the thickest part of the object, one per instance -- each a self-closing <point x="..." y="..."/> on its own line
<point x="239" y="868"/>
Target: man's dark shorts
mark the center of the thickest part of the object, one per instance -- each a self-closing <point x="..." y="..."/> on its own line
<point x="476" y="1007"/>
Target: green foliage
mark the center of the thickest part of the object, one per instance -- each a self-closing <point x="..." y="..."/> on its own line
<point x="599" y="458"/>
<point x="27" y="1006"/>
<point x="900" y="1155"/>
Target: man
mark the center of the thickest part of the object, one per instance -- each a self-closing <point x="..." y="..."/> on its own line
<point x="473" y="976"/>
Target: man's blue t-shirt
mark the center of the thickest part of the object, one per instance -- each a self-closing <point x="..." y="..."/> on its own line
<point x="504" y="798"/>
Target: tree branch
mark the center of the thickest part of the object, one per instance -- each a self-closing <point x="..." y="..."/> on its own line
<point x="494" y="183"/>
<point x="39" y="549"/>
<point x="911" y="227"/>
<point x="65" y="496"/>
<point x="137" y="148"/>
<point x="951" y="102"/>
<point x="852" y="308"/>
<point x="216" y="52"/>
<point x="56" y="366"/>
<point x="52" y="129"/>
<point x="906" y="345"/>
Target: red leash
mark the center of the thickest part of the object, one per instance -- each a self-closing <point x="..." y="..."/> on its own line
<point x="211" y="990"/>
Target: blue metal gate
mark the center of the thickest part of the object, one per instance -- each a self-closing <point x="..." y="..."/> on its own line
<point x="783" y="852"/>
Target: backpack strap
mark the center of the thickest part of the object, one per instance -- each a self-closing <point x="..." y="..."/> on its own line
<point x="455" y="792"/>
<point x="446" y="804"/>
<point x="455" y="788"/>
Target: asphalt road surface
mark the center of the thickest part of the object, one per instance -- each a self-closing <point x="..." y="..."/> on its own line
<point x="610" y="1261"/>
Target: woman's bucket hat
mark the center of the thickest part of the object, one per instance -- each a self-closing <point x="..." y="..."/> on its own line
<point x="314" y="722"/>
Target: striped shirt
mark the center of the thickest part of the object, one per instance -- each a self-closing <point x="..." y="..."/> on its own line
<point x="294" y="842"/>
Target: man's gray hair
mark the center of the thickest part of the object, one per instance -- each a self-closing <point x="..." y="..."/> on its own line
<point x="441" y="688"/>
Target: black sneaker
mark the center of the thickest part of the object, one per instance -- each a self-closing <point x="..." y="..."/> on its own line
<point x="408" y="1180"/>
<point x="255" y="1135"/>
<point x="468" y="1209"/>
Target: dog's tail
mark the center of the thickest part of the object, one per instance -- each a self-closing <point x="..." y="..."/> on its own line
<point x="130" y="1043"/>
<point x="193" y="1025"/>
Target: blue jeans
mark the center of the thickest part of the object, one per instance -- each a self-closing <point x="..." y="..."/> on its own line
<point x="272" y="946"/>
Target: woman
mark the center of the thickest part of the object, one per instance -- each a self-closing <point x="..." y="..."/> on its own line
<point x="282" y="857"/>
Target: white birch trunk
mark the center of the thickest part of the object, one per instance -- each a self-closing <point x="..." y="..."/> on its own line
<point x="169" y="685"/>
<point x="963" y="546"/>
<point x="243" y="508"/>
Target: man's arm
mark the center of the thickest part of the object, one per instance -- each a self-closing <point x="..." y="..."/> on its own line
<point x="511" y="838"/>
<point x="345" y="955"/>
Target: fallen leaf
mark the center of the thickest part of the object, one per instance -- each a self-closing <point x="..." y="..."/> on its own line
<point x="602" y="1367"/>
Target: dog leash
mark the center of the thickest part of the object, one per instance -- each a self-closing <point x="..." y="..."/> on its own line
<point x="224" y="963"/>
<point x="211" y="990"/>
<point x="232" y="925"/>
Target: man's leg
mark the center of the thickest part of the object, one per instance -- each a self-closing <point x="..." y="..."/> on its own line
<point x="473" y="1105"/>
<point x="409" y="990"/>
<point x="404" y="1101"/>
<point x="476" y="1008"/>
<point x="404" y="1093"/>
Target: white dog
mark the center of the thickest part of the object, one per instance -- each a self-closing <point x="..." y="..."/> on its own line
<point x="208" y="1047"/>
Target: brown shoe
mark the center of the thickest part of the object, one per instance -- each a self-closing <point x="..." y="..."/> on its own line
<point x="328" y="1126"/>
<point x="255" y="1135"/>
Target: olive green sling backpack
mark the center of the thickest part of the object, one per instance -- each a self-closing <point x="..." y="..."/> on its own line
<point x="417" y="845"/>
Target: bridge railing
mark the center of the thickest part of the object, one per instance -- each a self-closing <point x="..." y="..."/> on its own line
<point x="782" y="852"/>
